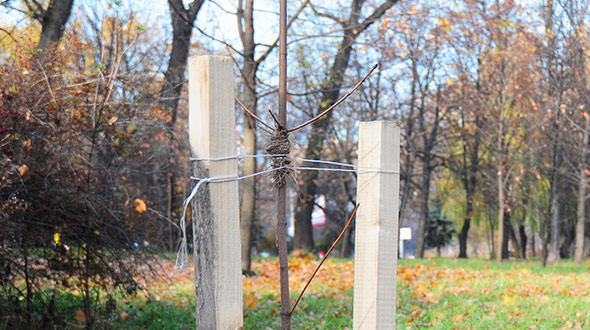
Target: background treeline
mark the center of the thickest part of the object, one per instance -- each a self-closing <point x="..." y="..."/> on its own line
<point x="492" y="97"/>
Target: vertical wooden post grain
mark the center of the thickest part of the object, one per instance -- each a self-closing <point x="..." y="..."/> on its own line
<point x="375" y="263"/>
<point x="215" y="210"/>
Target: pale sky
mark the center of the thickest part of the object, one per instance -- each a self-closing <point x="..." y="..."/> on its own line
<point x="215" y="18"/>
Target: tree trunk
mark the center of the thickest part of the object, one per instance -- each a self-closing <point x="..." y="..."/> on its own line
<point x="516" y="240"/>
<point x="580" y="221"/>
<point x="248" y="201"/>
<point x="533" y="252"/>
<point x="568" y="236"/>
<point x="53" y="22"/>
<point x="174" y="77"/>
<point x="507" y="229"/>
<point x="331" y="90"/>
<point x="465" y="228"/>
<point x="492" y="235"/>
<point x="345" y="249"/>
<point x="405" y="179"/>
<point x="544" y="246"/>
<point x="408" y="168"/>
<point x="468" y="174"/>
<point x="424" y="195"/>
<point x="553" y="249"/>
<point x="501" y="238"/>
<point x="463" y="237"/>
<point x="550" y="249"/>
<point x="250" y="100"/>
<point x="304" y="208"/>
<point x="165" y="179"/>
<point x="523" y="240"/>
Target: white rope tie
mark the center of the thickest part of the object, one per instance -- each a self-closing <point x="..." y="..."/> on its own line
<point x="182" y="255"/>
<point x="242" y="156"/>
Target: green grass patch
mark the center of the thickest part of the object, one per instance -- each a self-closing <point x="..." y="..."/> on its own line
<point x="432" y="294"/>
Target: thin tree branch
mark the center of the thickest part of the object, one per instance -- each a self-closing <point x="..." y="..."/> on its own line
<point x="48" y="85"/>
<point x="5" y="5"/>
<point x="37" y="13"/>
<point x="335" y="104"/>
<point x="252" y="114"/>
<point x="115" y="70"/>
<point x="10" y="35"/>
<point x="183" y="13"/>
<point x="375" y="15"/>
<point x="164" y="217"/>
<point x="280" y="127"/>
<point x="228" y="45"/>
<point x="326" y="256"/>
<point x="327" y="15"/>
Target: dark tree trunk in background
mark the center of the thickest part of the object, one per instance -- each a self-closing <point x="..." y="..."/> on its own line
<point x="555" y="91"/>
<point x="423" y="219"/>
<point x="249" y="97"/>
<point x="523" y="239"/>
<point x="516" y="240"/>
<point x="582" y="188"/>
<point x="533" y="253"/>
<point x="305" y="203"/>
<point x="53" y="22"/>
<point x="464" y="231"/>
<point x="566" y="248"/>
<point x="467" y="169"/>
<point x="165" y="178"/>
<point x="427" y="157"/>
<point x="506" y="233"/>
<point x="174" y="78"/>
<point x="544" y="247"/>
<point x="331" y="91"/>
<point x="468" y="174"/>
<point x="492" y="235"/>
<point x="346" y="245"/>
<point x="553" y="246"/>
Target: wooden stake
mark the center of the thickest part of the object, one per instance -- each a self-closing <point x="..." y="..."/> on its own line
<point x="375" y="263"/>
<point x="215" y="210"/>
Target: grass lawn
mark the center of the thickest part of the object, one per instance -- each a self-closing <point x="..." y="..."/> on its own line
<point x="432" y="294"/>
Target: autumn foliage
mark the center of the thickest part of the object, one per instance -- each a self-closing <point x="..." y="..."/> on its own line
<point x="493" y="103"/>
<point x="71" y="164"/>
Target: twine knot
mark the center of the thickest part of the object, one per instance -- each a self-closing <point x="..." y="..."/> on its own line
<point x="279" y="146"/>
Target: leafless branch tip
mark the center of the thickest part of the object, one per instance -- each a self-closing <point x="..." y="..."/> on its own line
<point x="335" y="104"/>
<point x="252" y="114"/>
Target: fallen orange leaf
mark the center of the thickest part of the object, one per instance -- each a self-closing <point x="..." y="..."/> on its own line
<point x="140" y="205"/>
<point x="27" y="144"/>
<point x="23" y="169"/>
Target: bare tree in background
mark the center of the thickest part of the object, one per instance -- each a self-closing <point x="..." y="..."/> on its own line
<point x="249" y="97"/>
<point x="182" y="28"/>
<point x="352" y="28"/>
<point x="53" y="19"/>
<point x="164" y="175"/>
